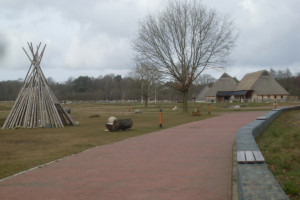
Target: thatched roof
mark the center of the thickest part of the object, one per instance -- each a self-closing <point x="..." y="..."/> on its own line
<point x="262" y="84"/>
<point x="224" y="83"/>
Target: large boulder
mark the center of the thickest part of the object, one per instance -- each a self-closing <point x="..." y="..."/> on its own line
<point x="137" y="111"/>
<point x="111" y="119"/>
<point x="237" y="107"/>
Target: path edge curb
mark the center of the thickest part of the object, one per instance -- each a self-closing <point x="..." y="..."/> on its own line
<point x="255" y="181"/>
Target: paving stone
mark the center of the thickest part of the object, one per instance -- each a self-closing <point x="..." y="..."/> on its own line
<point x="257" y="182"/>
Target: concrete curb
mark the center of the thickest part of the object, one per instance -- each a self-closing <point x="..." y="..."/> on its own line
<point x="255" y="181"/>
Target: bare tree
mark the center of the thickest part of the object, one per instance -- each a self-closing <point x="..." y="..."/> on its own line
<point x="148" y="76"/>
<point x="206" y="79"/>
<point x="108" y="85"/>
<point x="183" y="40"/>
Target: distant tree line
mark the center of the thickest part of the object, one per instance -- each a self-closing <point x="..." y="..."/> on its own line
<point x="289" y="81"/>
<point x="110" y="87"/>
<point x="9" y="90"/>
<point x="136" y="87"/>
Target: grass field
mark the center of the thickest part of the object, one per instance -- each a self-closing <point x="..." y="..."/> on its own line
<point x="280" y="145"/>
<point x="21" y="149"/>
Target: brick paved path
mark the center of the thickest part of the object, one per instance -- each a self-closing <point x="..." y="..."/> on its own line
<point x="191" y="161"/>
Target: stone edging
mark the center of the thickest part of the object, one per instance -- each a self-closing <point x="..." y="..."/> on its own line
<point x="255" y="181"/>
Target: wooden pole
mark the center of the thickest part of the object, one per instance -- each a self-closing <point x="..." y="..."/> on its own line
<point x="36" y="105"/>
<point x="160" y="118"/>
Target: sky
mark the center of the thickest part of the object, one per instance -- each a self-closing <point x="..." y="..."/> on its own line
<point x="94" y="38"/>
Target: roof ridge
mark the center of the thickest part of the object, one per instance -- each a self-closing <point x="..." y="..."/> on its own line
<point x="225" y="75"/>
<point x="249" y="80"/>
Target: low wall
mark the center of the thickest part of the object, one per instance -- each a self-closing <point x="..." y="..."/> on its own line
<point x="254" y="180"/>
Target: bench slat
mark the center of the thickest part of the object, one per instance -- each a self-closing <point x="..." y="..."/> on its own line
<point x="258" y="157"/>
<point x="249" y="157"/>
<point x="261" y="118"/>
<point x="240" y="157"/>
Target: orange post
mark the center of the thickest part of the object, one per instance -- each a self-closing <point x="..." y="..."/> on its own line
<point x="160" y="118"/>
<point x="209" y="109"/>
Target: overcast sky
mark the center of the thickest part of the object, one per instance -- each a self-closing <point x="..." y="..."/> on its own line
<point x="93" y="38"/>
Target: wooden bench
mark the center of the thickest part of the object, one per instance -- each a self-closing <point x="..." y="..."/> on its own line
<point x="248" y="157"/>
<point x="261" y="118"/>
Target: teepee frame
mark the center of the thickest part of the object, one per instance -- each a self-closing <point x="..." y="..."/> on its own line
<point x="36" y="105"/>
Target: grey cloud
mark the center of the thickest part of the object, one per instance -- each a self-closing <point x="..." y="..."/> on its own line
<point x="269" y="33"/>
<point x="95" y="35"/>
<point x="3" y="46"/>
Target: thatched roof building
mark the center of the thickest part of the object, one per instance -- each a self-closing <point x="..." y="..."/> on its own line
<point x="262" y="83"/>
<point x="224" y="83"/>
<point x="256" y="86"/>
<point x="261" y="86"/>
